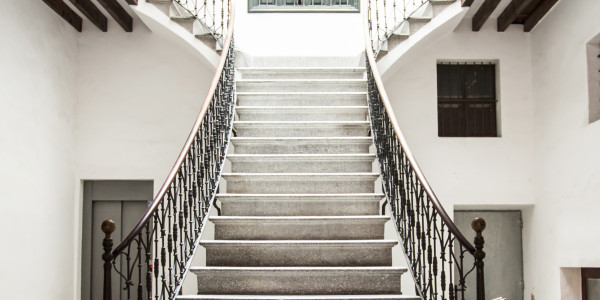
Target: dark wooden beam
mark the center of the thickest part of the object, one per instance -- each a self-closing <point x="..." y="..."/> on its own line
<point x="92" y="12"/>
<point x="483" y="13"/>
<point x="132" y="2"/>
<point x="511" y="12"/>
<point x="118" y="13"/>
<point x="66" y="13"/>
<point x="538" y="13"/>
<point x="466" y="3"/>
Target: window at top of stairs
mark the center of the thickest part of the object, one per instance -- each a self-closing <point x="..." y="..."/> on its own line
<point x="467" y="100"/>
<point x="294" y="6"/>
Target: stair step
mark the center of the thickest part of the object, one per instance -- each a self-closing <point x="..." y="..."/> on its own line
<point x="300" y="183"/>
<point x="301" y="128"/>
<point x="301" y="163"/>
<point x="298" y="280"/>
<point x="299" y="204"/>
<point x="297" y="297"/>
<point x="302" y="113"/>
<point x="299" y="227"/>
<point x="302" y="98"/>
<point x="301" y="145"/>
<point x="416" y="23"/>
<point x="299" y="253"/>
<point x="301" y="85"/>
<point x="302" y="73"/>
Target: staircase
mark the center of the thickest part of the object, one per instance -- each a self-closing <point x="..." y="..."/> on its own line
<point x="300" y="215"/>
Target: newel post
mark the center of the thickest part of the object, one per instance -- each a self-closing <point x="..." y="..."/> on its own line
<point x="479" y="226"/>
<point x="108" y="227"/>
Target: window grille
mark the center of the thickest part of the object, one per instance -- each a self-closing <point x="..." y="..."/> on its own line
<point x="467" y="100"/>
<point x="258" y="6"/>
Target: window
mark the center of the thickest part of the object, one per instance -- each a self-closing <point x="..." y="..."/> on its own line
<point x="466" y="100"/>
<point x="303" y="6"/>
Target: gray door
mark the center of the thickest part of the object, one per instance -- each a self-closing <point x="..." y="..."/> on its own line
<point x="503" y="269"/>
<point x="122" y="201"/>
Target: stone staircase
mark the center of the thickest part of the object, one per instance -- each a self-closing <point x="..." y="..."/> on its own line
<point x="300" y="213"/>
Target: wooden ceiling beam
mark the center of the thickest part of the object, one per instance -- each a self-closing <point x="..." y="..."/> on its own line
<point x="466" y="3"/>
<point x="538" y="13"/>
<point x="92" y="12"/>
<point x="483" y="13"/>
<point x="66" y="13"/>
<point x="118" y="13"/>
<point x="132" y="2"/>
<point x="511" y="12"/>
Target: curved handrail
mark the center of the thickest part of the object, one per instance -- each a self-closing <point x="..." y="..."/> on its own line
<point x="413" y="162"/>
<point x="186" y="148"/>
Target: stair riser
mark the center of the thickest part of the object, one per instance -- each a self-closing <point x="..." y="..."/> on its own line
<point x="303" y="115"/>
<point x="300" y="208"/>
<point x="416" y="25"/>
<point x="299" y="147"/>
<point x="302" y="100"/>
<point x="315" y="185"/>
<point x="301" y="131"/>
<point x="308" y="86"/>
<point x="302" y="74"/>
<point x="302" y="166"/>
<point x="298" y="282"/>
<point x="297" y="255"/>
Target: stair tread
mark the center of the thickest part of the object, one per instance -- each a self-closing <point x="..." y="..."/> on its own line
<point x="299" y="218"/>
<point x="330" y="107"/>
<point x="292" y="80"/>
<point x="355" y="243"/>
<point x="310" y="269"/>
<point x="299" y="297"/>
<point x="359" y="155"/>
<point x="360" y="174"/>
<point x="266" y="196"/>
<point x="300" y="93"/>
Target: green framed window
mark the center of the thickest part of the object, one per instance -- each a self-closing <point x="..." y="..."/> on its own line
<point x="303" y="6"/>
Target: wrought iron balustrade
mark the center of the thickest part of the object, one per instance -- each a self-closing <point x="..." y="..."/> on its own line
<point x="213" y="15"/>
<point x="385" y="17"/>
<point x="303" y="5"/>
<point x="154" y="258"/>
<point x="435" y="249"/>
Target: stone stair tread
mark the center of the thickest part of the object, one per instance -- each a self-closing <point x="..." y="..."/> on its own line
<point x="331" y="107"/>
<point x="339" y="80"/>
<point x="301" y="122"/>
<point x="302" y="269"/>
<point x="294" y="175"/>
<point x="217" y="219"/>
<point x="275" y="243"/>
<point x="296" y="297"/>
<point x="242" y="69"/>
<point x="312" y="156"/>
<point x="298" y="197"/>
<point x="299" y="93"/>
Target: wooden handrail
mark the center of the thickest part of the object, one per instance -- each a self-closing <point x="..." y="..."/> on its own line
<point x="413" y="162"/>
<point x="209" y="97"/>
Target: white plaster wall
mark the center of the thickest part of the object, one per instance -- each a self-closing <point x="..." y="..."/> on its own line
<point x="138" y="98"/>
<point x="38" y="90"/>
<point x="298" y="34"/>
<point x="471" y="172"/>
<point x="565" y="228"/>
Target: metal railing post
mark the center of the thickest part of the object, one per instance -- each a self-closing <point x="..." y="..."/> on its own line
<point x="108" y="227"/>
<point x="479" y="226"/>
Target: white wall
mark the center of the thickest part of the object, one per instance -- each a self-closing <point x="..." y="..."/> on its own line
<point x="298" y="34"/>
<point x="470" y="172"/>
<point x="565" y="227"/>
<point x="38" y="90"/>
<point x="138" y="98"/>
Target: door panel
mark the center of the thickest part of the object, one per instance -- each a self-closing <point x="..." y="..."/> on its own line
<point x="121" y="201"/>
<point x="504" y="253"/>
